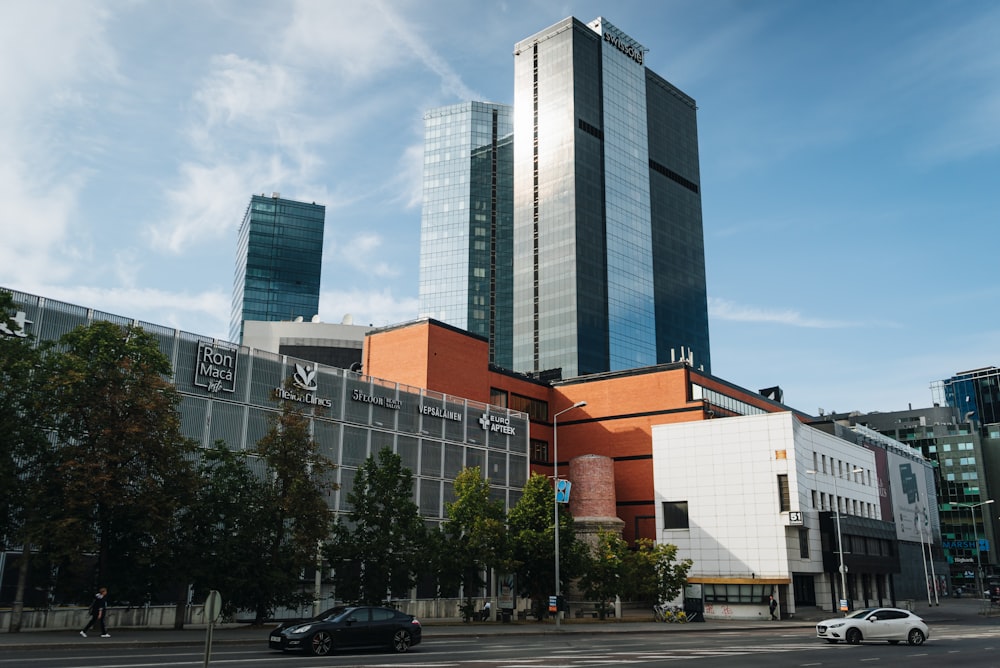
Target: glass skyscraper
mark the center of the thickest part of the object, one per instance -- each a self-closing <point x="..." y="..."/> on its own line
<point x="609" y="257"/>
<point x="279" y="258"/>
<point x="466" y="228"/>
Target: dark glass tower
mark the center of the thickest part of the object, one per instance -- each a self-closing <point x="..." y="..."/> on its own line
<point x="466" y="227"/>
<point x="609" y="256"/>
<point x="278" y="262"/>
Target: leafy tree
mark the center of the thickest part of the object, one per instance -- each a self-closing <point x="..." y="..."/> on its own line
<point x="223" y="535"/>
<point x="533" y="544"/>
<point x="602" y="579"/>
<point x="122" y="460"/>
<point x="382" y="548"/>
<point x="26" y="458"/>
<point x="297" y="518"/>
<point x="653" y="572"/>
<point x="476" y="531"/>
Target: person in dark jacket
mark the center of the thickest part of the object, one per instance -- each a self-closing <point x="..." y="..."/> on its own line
<point x="98" y="613"/>
<point x="772" y="607"/>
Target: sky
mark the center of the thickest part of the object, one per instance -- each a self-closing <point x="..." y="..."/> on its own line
<point x="850" y="163"/>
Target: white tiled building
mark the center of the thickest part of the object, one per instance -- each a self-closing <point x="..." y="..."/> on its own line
<point x="743" y="497"/>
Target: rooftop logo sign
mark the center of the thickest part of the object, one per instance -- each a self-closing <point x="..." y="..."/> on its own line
<point x="496" y="423"/>
<point x="624" y="44"/>
<point x="303" y="379"/>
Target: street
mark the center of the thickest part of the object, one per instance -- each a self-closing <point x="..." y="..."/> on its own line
<point x="972" y="646"/>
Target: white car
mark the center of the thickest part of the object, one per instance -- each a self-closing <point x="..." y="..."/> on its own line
<point x="890" y="624"/>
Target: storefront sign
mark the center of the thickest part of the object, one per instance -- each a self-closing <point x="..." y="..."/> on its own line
<point x="437" y="411"/>
<point x="384" y="402"/>
<point x="497" y="423"/>
<point x="215" y="368"/>
<point x="304" y="379"/>
<point x="19" y="319"/>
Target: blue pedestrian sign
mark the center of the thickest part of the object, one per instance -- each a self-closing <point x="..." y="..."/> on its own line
<point x="562" y="491"/>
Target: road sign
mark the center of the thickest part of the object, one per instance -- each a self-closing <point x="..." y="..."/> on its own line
<point x="562" y="491"/>
<point x="213" y="606"/>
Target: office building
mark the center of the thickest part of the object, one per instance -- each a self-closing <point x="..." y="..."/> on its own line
<point x="609" y="260"/>
<point x="279" y="259"/>
<point x="466" y="228"/>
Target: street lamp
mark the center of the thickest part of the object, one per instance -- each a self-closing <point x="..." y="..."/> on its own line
<point x="555" y="488"/>
<point x="975" y="532"/>
<point x="840" y="538"/>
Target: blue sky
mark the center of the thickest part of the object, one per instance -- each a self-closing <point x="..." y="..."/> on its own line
<point x="850" y="163"/>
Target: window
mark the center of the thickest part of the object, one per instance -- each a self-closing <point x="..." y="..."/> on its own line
<point x="736" y="593"/>
<point x="784" y="497"/>
<point x="539" y="450"/>
<point x="804" y="543"/>
<point x="675" y="515"/>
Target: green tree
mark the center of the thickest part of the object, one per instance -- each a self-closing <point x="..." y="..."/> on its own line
<point x="532" y="540"/>
<point x="476" y="531"/>
<point x="297" y="518"/>
<point x="26" y="456"/>
<point x="603" y="578"/>
<point x="381" y="548"/>
<point x="123" y="464"/>
<point x="653" y="572"/>
<point x="225" y="534"/>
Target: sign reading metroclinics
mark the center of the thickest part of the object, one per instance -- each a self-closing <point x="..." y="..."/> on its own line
<point x="215" y="368"/>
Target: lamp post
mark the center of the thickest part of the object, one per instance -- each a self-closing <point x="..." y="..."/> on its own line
<point x="840" y="538"/>
<point x="975" y="532"/>
<point x="555" y="488"/>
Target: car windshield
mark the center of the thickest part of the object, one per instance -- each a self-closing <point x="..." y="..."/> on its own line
<point x="861" y="614"/>
<point x="332" y="612"/>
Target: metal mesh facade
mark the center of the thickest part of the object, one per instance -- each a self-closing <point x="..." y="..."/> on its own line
<point x="228" y="392"/>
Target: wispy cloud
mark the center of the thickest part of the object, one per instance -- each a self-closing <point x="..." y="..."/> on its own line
<point x="727" y="310"/>
<point x="377" y="308"/>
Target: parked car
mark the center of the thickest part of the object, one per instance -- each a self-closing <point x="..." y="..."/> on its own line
<point x="890" y="624"/>
<point x="348" y="626"/>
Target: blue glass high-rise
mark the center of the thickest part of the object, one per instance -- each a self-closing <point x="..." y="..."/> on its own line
<point x="279" y="261"/>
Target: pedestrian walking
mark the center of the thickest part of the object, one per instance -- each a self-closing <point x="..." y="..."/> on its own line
<point x="98" y="613"/>
<point x="772" y="606"/>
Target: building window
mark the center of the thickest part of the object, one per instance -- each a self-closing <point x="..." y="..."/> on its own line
<point x="804" y="543"/>
<point x="675" y="515"/>
<point x="498" y="397"/>
<point x="784" y="497"/>
<point x="539" y="450"/>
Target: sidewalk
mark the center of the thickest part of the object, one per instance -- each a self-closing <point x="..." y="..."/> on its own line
<point x="950" y="611"/>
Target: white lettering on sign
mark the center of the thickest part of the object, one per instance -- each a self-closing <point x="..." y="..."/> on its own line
<point x="307" y="398"/>
<point x="437" y="411"/>
<point x="385" y="402"/>
<point x="215" y="368"/>
<point x="20" y="319"/>
<point x="633" y="52"/>
<point x="497" y="423"/>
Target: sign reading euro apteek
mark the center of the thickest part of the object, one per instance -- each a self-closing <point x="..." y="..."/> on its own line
<point x="215" y="367"/>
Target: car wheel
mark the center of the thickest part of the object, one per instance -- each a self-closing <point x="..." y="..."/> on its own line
<point x="401" y="640"/>
<point x="832" y="641"/>
<point x="915" y="637"/>
<point x="853" y="637"/>
<point x="321" y="644"/>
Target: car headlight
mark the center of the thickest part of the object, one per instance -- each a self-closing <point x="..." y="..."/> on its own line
<point x="299" y="629"/>
<point x="835" y="625"/>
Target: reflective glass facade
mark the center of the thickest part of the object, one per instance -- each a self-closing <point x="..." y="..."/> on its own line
<point x="279" y="259"/>
<point x="466" y="228"/>
<point x="352" y="416"/>
<point x="609" y="265"/>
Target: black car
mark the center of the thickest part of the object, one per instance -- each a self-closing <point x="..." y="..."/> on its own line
<point x="348" y="626"/>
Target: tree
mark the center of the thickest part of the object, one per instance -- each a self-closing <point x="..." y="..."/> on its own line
<point x="297" y="518"/>
<point x="379" y="552"/>
<point x="476" y="531"/>
<point x="603" y="578"/>
<point x="653" y="572"/>
<point x="25" y="450"/>
<point x="225" y="536"/>
<point x="123" y="464"/>
<point x="533" y="544"/>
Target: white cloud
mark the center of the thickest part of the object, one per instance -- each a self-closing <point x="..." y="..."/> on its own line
<point x="379" y="308"/>
<point x="727" y="310"/>
<point x="242" y="91"/>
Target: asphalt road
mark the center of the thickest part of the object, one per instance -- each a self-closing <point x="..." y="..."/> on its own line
<point x="971" y="646"/>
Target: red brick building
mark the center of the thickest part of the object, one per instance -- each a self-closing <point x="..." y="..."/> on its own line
<point x="616" y="422"/>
